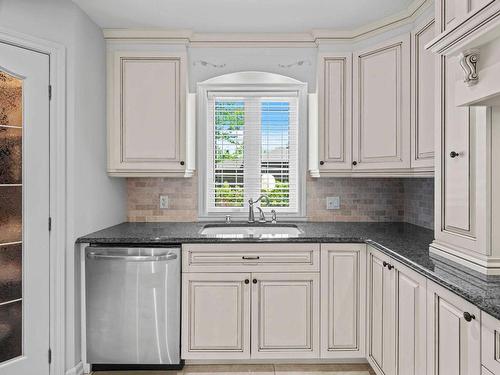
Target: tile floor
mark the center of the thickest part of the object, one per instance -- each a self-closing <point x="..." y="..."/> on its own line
<point x="281" y="369"/>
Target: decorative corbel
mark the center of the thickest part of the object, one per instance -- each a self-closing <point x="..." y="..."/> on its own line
<point x="468" y="62"/>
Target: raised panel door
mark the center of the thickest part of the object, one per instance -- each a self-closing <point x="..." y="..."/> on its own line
<point x="285" y="315"/>
<point x="490" y="342"/>
<point x="381" y="315"/>
<point x="381" y="107"/>
<point x="146" y="113"/>
<point x="454" y="342"/>
<point x="411" y="322"/>
<point x="423" y="93"/>
<point x="216" y="316"/>
<point x="335" y="112"/>
<point x="457" y="158"/>
<point x="342" y="296"/>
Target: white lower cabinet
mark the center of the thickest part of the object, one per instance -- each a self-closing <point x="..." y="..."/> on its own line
<point x="490" y="344"/>
<point x="259" y="312"/>
<point x="396" y="317"/>
<point x="285" y="315"/>
<point x="343" y="296"/>
<point x="453" y="334"/>
<point x="216" y="315"/>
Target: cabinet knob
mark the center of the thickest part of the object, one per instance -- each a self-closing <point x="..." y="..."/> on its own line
<point x="182" y="163"/>
<point x="390" y="266"/>
<point x="384" y="263"/>
<point x="468" y="317"/>
<point x="454" y="154"/>
<point x="354" y="162"/>
<point x="247" y="281"/>
<point x="254" y="281"/>
<point x="321" y="162"/>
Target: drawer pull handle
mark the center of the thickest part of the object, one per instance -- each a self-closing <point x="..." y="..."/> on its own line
<point x="250" y="258"/>
<point x="468" y="317"/>
<point x="254" y="281"/>
<point x="247" y="281"/>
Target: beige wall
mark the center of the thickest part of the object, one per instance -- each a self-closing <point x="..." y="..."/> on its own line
<point x="362" y="199"/>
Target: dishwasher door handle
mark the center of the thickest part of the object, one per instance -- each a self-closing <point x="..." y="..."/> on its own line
<point x="133" y="258"/>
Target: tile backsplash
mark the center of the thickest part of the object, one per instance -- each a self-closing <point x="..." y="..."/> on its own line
<point x="361" y="199"/>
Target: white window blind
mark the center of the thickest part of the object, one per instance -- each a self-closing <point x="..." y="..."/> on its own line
<point x="252" y="150"/>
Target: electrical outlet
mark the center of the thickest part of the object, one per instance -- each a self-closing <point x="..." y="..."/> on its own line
<point x="163" y="202"/>
<point x="332" y="203"/>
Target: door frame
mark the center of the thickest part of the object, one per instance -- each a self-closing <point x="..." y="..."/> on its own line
<point x="57" y="181"/>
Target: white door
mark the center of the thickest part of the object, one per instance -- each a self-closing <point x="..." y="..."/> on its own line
<point x="381" y="314"/>
<point x="285" y="315"/>
<point x="381" y="106"/>
<point x="216" y="316"/>
<point x="342" y="300"/>
<point x="453" y="334"/>
<point x="411" y="321"/>
<point x="24" y="211"/>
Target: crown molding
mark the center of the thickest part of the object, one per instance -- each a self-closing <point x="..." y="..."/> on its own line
<point x="149" y="34"/>
<point x="476" y="29"/>
<point x="308" y="39"/>
<point x="407" y="16"/>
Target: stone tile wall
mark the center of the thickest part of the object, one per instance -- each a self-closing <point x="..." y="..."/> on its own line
<point x="362" y="199"/>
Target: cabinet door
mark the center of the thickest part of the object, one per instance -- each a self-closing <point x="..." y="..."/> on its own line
<point x="335" y="126"/>
<point x="216" y="316"/>
<point x="411" y="306"/>
<point x="343" y="283"/>
<point x="381" y="106"/>
<point x="423" y="80"/>
<point x="453" y="342"/>
<point x="285" y="315"/>
<point x="381" y="315"/>
<point x="146" y="113"/>
<point x="490" y="342"/>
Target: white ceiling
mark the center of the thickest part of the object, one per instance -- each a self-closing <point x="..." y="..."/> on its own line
<point x="240" y="16"/>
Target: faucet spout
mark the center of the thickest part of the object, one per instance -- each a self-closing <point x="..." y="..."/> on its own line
<point x="251" y="202"/>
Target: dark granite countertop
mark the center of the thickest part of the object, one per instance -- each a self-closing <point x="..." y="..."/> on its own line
<point x="407" y="243"/>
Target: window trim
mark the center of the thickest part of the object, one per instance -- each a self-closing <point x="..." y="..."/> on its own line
<point x="251" y="82"/>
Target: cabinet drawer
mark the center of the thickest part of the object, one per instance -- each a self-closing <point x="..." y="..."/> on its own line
<point x="250" y="257"/>
<point x="490" y="345"/>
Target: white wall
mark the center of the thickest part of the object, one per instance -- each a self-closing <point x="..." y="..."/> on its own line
<point x="95" y="201"/>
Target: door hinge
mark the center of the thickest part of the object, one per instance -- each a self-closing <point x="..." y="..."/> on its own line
<point x="50" y="92"/>
<point x="50" y="224"/>
<point x="50" y="356"/>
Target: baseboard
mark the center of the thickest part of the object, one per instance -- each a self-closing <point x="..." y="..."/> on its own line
<point x="77" y="370"/>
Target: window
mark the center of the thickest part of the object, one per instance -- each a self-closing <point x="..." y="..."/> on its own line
<point x="252" y="144"/>
<point x="249" y="145"/>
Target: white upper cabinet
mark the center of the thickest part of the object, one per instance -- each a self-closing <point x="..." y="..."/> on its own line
<point x="146" y="113"/>
<point x="381" y="106"/>
<point x="335" y="109"/>
<point x="423" y="104"/>
<point x="466" y="136"/>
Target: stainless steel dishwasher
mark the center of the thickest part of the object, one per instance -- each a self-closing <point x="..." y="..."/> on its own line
<point x="132" y="305"/>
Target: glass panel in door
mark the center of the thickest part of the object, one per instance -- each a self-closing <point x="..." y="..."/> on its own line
<point x="11" y="197"/>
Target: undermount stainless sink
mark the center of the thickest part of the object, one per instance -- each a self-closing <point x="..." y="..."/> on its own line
<point x="259" y="231"/>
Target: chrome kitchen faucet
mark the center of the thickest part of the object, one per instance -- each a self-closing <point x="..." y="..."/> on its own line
<point x="251" y="214"/>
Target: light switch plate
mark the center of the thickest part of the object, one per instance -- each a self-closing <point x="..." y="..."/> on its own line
<point x="163" y="202"/>
<point x="332" y="203"/>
